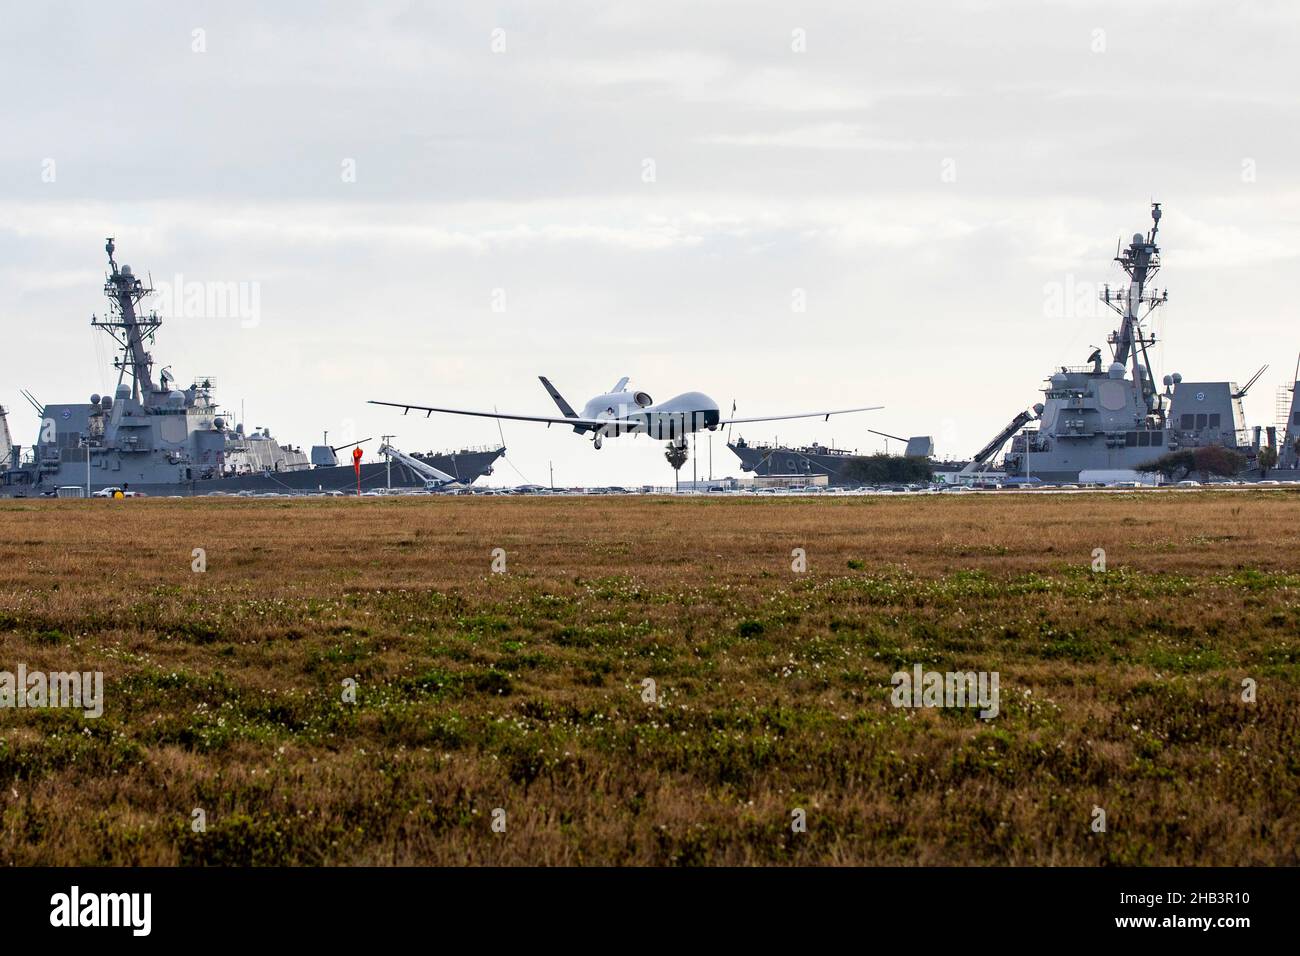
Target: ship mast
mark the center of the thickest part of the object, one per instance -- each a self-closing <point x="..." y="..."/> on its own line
<point x="129" y="329"/>
<point x="1140" y="261"/>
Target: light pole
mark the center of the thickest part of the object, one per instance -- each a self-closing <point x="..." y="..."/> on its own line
<point x="85" y="444"/>
<point x="387" y="458"/>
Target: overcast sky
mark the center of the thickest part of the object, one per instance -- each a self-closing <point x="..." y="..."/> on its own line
<point x="437" y="202"/>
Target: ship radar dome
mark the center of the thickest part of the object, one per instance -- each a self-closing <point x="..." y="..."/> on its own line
<point x="1138" y="239"/>
<point x="1168" y="380"/>
<point x="1059" y="380"/>
<point x="94" y="398"/>
<point x="1038" y="408"/>
<point x="123" y="391"/>
<point x="218" y="423"/>
<point x="106" y="403"/>
<point x="1116" y="370"/>
<point x="126" y="270"/>
<point x="1178" y="378"/>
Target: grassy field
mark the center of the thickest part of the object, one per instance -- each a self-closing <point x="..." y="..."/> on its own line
<point x="523" y="691"/>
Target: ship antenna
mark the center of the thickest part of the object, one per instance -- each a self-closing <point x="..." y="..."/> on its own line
<point x="32" y="401"/>
<point x="1241" y="393"/>
<point x="502" y="435"/>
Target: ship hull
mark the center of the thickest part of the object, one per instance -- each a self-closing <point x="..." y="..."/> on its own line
<point x="814" y="462"/>
<point x="769" y="462"/>
<point x="467" y="466"/>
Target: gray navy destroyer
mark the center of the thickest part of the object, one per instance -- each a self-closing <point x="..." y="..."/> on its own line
<point x="1112" y="418"/>
<point x="157" y="439"/>
<point x="1100" y="421"/>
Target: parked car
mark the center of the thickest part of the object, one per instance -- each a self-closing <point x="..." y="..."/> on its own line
<point x="113" y="491"/>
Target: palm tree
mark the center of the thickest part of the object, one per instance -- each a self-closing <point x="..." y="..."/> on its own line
<point x="1267" y="460"/>
<point x="677" y="456"/>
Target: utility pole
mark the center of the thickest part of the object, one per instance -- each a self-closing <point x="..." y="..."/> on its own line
<point x="551" y="466"/>
<point x="388" y="458"/>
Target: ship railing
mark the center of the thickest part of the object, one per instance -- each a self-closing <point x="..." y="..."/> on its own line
<point x="808" y="449"/>
<point x="469" y="450"/>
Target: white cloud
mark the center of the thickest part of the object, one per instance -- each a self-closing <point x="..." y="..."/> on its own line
<point x="521" y="171"/>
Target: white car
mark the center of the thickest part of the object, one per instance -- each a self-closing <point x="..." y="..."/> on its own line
<point x="1188" y="483"/>
<point x="112" y="491"/>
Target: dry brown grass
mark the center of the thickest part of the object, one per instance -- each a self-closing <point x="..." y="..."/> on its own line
<point x="523" y="690"/>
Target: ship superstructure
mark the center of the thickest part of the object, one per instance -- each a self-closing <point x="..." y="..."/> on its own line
<point x="157" y="438"/>
<point x="1287" y="429"/>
